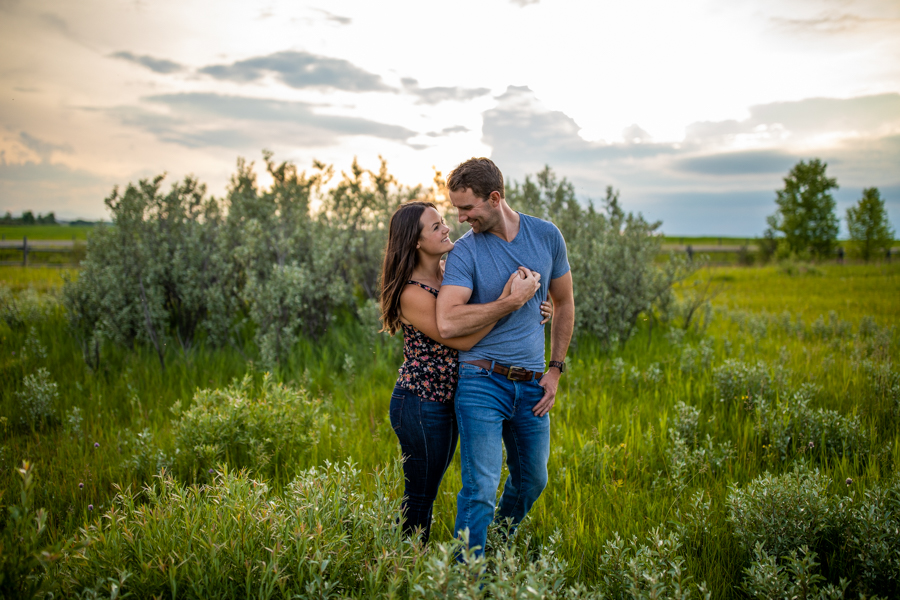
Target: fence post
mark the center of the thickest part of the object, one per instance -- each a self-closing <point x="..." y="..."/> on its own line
<point x="24" y="250"/>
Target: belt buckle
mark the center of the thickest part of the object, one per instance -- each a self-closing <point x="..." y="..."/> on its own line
<point x="517" y="374"/>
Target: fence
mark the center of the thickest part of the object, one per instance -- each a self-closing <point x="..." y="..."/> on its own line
<point x="73" y="248"/>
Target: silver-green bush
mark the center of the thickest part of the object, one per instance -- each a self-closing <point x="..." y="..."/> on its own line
<point x="742" y="385"/>
<point x="785" y="512"/>
<point x="37" y="399"/>
<point x="265" y="427"/>
<point x="788" y="425"/>
<point x="874" y="539"/>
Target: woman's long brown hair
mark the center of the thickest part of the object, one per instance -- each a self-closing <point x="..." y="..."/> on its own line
<point x="400" y="259"/>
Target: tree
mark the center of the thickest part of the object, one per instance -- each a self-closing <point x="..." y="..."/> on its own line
<point x="868" y="224"/>
<point x="806" y="209"/>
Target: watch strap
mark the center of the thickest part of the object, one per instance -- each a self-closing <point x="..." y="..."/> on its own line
<point x="561" y="365"/>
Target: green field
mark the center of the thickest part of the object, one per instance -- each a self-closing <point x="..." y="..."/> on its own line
<point x="45" y="232"/>
<point x="626" y="457"/>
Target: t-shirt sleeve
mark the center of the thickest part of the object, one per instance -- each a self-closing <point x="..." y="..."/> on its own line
<point x="460" y="267"/>
<point x="560" y="256"/>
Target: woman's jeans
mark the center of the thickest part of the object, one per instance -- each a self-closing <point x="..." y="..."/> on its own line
<point x="493" y="412"/>
<point x="427" y="433"/>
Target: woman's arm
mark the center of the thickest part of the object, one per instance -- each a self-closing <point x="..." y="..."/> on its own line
<point x="418" y="306"/>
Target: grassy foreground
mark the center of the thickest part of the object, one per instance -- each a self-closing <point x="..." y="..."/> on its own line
<point x="792" y="369"/>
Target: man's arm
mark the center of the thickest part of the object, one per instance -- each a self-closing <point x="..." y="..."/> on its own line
<point x="455" y="318"/>
<point x="560" y="335"/>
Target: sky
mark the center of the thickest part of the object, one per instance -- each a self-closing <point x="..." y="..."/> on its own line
<point x="694" y="110"/>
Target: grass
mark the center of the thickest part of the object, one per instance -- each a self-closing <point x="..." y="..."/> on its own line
<point x="45" y="232"/>
<point x="611" y="465"/>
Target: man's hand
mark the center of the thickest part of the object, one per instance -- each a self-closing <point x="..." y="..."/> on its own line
<point x="525" y="286"/>
<point x="550" y="381"/>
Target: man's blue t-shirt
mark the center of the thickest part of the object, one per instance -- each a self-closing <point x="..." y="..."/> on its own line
<point x="483" y="262"/>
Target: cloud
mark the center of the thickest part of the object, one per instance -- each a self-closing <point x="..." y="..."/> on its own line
<point x="436" y="95"/>
<point x="711" y="182"/>
<point x="300" y="70"/>
<point x="635" y="135"/>
<point x="524" y="3"/>
<point x="43" y="148"/>
<point x="871" y="115"/>
<point x="55" y="22"/>
<point x="523" y="131"/>
<point x="831" y="23"/>
<point x="157" y="65"/>
<point x="334" y="18"/>
<point x="203" y="119"/>
<point x="45" y="187"/>
<point x="448" y="131"/>
<point x="750" y="162"/>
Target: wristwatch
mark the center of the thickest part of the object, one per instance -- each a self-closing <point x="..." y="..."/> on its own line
<point x="561" y="365"/>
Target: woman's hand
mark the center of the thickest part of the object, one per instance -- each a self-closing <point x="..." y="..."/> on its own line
<point x="546" y="310"/>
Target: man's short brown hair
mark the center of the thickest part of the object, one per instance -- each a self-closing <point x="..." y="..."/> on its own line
<point x="480" y="174"/>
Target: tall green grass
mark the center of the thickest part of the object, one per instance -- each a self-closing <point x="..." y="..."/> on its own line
<point x="45" y="232"/>
<point x="615" y="466"/>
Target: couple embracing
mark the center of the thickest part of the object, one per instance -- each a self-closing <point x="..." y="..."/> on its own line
<point x="474" y="349"/>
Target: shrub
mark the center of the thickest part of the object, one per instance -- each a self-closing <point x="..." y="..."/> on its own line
<point x="795" y="577"/>
<point x="145" y="458"/>
<point x="25" y="308"/>
<point x="25" y="552"/>
<point x="324" y="537"/>
<point x="782" y="513"/>
<point x="687" y="455"/>
<point x="743" y="384"/>
<point x="264" y="427"/>
<point x="36" y="400"/>
<point x="179" y="267"/>
<point x="789" y="424"/>
<point x="654" y="569"/>
<point x="874" y="539"/>
<point x="617" y="278"/>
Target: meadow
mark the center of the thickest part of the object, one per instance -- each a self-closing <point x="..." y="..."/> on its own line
<point x="687" y="456"/>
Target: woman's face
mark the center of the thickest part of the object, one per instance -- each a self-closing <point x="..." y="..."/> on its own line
<point x="434" y="237"/>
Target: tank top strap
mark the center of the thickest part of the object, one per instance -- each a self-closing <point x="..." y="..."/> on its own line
<point x="427" y="288"/>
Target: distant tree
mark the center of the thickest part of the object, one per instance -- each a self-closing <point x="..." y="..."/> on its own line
<point x="48" y="219"/>
<point x="7" y="219"/>
<point x="868" y="224"/>
<point x="806" y="209"/>
<point x="27" y="218"/>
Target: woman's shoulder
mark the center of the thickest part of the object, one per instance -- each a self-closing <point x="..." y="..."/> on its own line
<point x="418" y="285"/>
<point x="417" y="300"/>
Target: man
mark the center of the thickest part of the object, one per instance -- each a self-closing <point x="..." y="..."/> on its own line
<point x="505" y="392"/>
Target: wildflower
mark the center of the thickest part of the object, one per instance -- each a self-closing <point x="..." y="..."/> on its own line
<point x="90" y="507"/>
<point x="811" y="445"/>
<point x="96" y="444"/>
<point x="211" y="471"/>
<point x="849" y="481"/>
<point x="81" y="486"/>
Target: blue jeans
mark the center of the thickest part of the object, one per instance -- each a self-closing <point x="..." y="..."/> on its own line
<point x="427" y="433"/>
<point x="492" y="410"/>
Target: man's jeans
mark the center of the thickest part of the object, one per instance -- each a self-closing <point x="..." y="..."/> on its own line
<point x="427" y="434"/>
<point x="492" y="410"/>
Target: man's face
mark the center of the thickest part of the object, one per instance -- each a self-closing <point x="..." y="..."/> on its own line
<point x="477" y="212"/>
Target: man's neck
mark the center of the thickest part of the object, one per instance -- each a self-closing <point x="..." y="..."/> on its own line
<point x="507" y="227"/>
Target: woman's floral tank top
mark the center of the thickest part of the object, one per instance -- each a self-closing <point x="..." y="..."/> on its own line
<point x="430" y="369"/>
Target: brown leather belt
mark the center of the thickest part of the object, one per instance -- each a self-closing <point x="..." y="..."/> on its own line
<point x="513" y="373"/>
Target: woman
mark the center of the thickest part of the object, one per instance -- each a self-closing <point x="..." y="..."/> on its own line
<point x="421" y="412"/>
